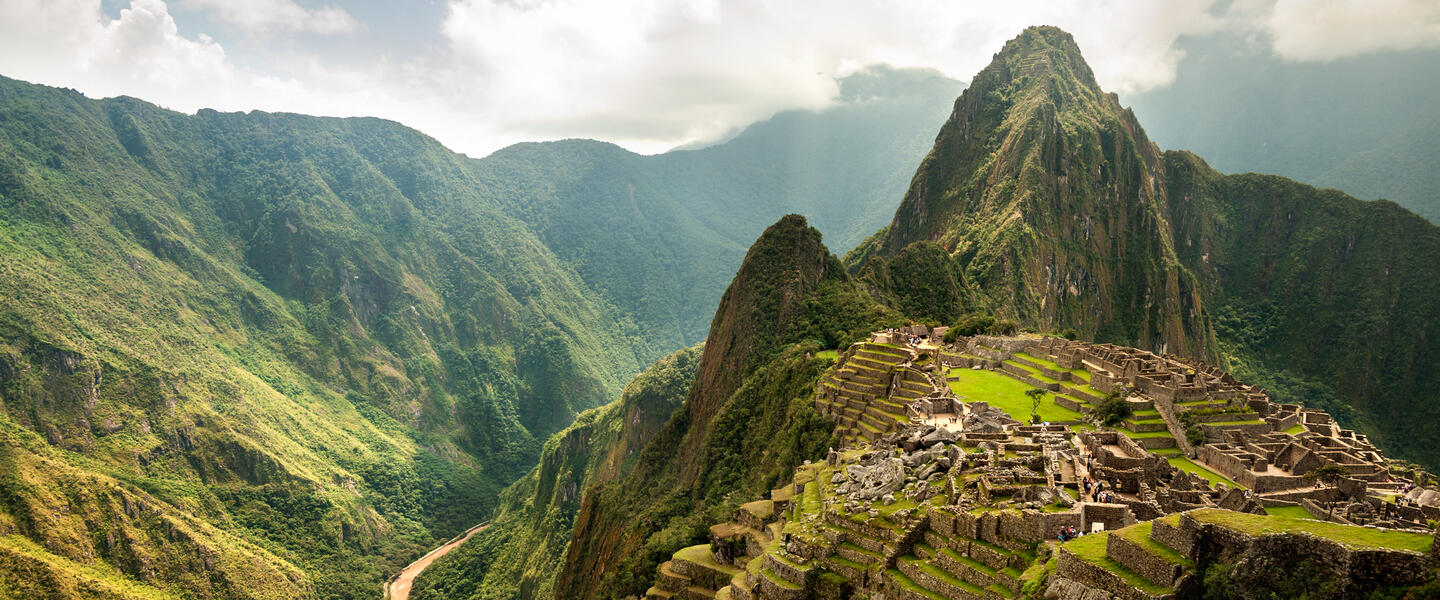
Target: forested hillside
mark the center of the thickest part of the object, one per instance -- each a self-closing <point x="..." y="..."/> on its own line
<point x="307" y="337"/>
<point x="522" y="551"/>
<point x="660" y="236"/>
<point x="331" y="342"/>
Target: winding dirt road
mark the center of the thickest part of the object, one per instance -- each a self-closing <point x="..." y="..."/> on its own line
<point x="399" y="587"/>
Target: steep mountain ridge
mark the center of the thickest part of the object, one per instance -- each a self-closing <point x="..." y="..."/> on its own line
<point x="745" y="423"/>
<point x="1047" y="193"/>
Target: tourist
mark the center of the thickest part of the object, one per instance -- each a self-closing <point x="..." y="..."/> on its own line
<point x="1073" y="533"/>
<point x="1061" y="535"/>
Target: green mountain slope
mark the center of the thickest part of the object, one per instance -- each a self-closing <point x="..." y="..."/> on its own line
<point x="520" y="554"/>
<point x="660" y="236"/>
<point x="308" y="337"/>
<point x="1043" y="189"/>
<point x="747" y="421"/>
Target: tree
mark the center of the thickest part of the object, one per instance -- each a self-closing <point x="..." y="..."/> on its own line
<point x="1114" y="407"/>
<point x="1036" y="396"/>
<point x="1329" y="475"/>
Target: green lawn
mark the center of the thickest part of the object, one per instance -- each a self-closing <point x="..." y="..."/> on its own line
<point x="700" y="555"/>
<point x="830" y="354"/>
<point x="1234" y="423"/>
<point x="1293" y="512"/>
<point x="1005" y="394"/>
<point x="1296" y="429"/>
<point x="1349" y="535"/>
<point x="1185" y="465"/>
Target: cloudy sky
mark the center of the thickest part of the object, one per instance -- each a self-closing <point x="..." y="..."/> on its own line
<point x="646" y="74"/>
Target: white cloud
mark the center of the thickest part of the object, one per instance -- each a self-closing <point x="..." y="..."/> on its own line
<point x="1323" y="30"/>
<point x="647" y="74"/>
<point x="141" y="53"/>
<point x="269" y="17"/>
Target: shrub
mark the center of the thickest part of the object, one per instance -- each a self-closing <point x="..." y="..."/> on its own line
<point x="1070" y="334"/>
<point x="1004" y="327"/>
<point x="972" y="324"/>
<point x="1195" y="435"/>
<point x="1112" y="409"/>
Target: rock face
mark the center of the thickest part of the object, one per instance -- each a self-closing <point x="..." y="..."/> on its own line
<point x="783" y="267"/>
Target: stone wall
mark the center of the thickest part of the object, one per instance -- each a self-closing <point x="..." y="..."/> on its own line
<point x="1006" y="344"/>
<point x="1076" y="569"/>
<point x="1153" y="568"/>
<point x="1172" y="536"/>
<point x="1114" y="516"/>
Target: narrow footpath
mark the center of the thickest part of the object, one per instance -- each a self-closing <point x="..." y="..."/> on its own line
<point x="399" y="587"/>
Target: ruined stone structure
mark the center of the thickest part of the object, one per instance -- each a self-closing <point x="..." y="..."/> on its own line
<point x="935" y="495"/>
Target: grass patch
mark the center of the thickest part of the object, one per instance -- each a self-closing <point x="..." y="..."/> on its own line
<point x="1148" y="434"/>
<point x="1348" y="535"/>
<point x="1184" y="464"/>
<point x="906" y="583"/>
<point x="1295" y="429"/>
<point x="700" y="555"/>
<point x="944" y="576"/>
<point x="778" y="580"/>
<point x="1005" y="394"/>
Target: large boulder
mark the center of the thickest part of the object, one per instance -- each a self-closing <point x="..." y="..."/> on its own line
<point x="874" y="481"/>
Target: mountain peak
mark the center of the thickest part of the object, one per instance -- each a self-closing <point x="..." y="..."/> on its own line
<point x="1040" y="178"/>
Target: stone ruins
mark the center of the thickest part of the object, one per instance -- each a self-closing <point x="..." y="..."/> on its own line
<point x="938" y="494"/>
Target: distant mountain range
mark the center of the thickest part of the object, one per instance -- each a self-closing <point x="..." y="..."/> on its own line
<point x="1366" y="125"/>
